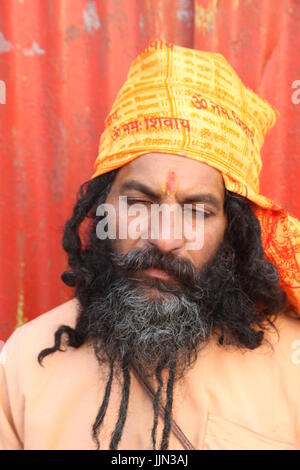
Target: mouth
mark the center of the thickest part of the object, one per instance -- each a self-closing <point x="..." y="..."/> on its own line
<point x="158" y="273"/>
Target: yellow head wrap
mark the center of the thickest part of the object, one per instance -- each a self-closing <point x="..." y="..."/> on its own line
<point x="192" y="103"/>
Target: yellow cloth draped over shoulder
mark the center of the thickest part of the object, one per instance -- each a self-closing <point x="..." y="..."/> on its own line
<point x="193" y="103"/>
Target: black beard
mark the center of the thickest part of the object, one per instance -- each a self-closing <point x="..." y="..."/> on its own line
<point x="151" y="324"/>
<point x="146" y="322"/>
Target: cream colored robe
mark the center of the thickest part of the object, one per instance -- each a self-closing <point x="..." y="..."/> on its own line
<point x="230" y="399"/>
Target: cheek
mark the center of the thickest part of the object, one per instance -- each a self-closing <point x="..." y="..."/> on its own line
<point x="128" y="229"/>
<point x="214" y="231"/>
<point x="123" y="246"/>
<point x="213" y="236"/>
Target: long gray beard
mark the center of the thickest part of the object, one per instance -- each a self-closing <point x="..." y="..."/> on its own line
<point x="147" y="332"/>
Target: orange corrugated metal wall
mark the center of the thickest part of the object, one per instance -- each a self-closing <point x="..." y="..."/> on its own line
<point x="62" y="63"/>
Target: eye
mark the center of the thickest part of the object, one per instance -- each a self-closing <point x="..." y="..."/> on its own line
<point x="198" y="211"/>
<point x="207" y="214"/>
<point x="130" y="202"/>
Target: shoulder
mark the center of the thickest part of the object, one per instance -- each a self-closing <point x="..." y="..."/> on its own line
<point x="279" y="353"/>
<point x="287" y="343"/>
<point x="38" y="334"/>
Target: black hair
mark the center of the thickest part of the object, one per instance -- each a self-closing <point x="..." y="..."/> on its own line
<point x="258" y="278"/>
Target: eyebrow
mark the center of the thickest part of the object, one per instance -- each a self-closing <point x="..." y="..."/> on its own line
<point x="133" y="184"/>
<point x="201" y="197"/>
<point x="204" y="197"/>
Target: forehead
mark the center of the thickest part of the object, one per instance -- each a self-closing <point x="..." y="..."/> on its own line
<point x="153" y="169"/>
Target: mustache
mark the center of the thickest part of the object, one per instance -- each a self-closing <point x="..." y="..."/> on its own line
<point x="136" y="260"/>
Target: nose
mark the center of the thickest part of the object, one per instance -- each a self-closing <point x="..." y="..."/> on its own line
<point x="165" y="229"/>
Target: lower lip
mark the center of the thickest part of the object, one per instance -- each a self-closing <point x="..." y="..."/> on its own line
<point x="157" y="273"/>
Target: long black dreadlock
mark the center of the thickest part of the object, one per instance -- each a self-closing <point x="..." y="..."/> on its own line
<point x="257" y="276"/>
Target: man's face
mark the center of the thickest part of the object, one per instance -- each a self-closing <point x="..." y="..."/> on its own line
<point x="157" y="178"/>
<point x="150" y="301"/>
<point x="155" y="297"/>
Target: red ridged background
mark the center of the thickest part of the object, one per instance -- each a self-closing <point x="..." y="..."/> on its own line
<point x="63" y="61"/>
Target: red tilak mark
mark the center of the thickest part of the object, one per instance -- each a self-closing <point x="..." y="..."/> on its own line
<point x="171" y="183"/>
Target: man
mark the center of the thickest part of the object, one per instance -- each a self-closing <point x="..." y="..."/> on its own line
<point x="170" y="342"/>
